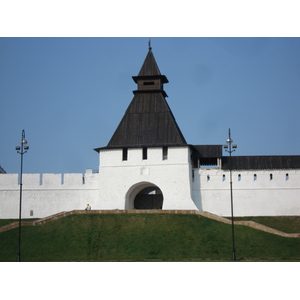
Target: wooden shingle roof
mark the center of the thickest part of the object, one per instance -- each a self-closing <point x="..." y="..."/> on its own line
<point x="149" y="67"/>
<point x="262" y="162"/>
<point x="206" y="151"/>
<point x="148" y="120"/>
<point x="150" y="70"/>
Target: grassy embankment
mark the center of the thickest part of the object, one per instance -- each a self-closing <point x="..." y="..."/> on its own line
<point x="149" y="237"/>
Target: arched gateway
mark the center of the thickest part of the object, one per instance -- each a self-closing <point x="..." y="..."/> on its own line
<point x="144" y="195"/>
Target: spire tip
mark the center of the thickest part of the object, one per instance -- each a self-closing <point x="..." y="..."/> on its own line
<point x="149" y="45"/>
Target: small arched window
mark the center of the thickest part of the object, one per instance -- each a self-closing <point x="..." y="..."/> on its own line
<point x="208" y="177"/>
<point x="255" y="177"/>
<point x="239" y="177"/>
<point x="224" y="177"/>
<point x="287" y="176"/>
<point x="271" y="176"/>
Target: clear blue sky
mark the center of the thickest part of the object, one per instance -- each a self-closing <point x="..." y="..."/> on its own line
<point x="69" y="94"/>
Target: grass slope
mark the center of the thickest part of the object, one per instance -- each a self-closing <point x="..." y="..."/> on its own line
<point x="144" y="237"/>
<point x="288" y="224"/>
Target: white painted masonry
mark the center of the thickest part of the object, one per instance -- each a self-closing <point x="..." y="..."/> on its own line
<point x="255" y="193"/>
<point x="172" y="176"/>
<point x="46" y="194"/>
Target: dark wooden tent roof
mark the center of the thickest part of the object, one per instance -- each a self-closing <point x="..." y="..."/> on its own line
<point x="149" y="70"/>
<point x="149" y="67"/>
<point x="262" y="162"/>
<point x="148" y="121"/>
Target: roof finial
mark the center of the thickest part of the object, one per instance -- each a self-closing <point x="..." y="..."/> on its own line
<point x="149" y="45"/>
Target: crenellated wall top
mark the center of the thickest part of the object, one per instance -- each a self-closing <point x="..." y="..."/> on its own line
<point x="49" y="180"/>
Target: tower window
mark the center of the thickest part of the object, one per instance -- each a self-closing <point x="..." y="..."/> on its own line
<point x="145" y="153"/>
<point x="148" y="83"/>
<point x="208" y="177"/>
<point x="271" y="176"/>
<point x="224" y="177"/>
<point x="125" y="153"/>
<point x="255" y="177"/>
<point x="165" y="153"/>
<point x="239" y="177"/>
<point x="287" y="176"/>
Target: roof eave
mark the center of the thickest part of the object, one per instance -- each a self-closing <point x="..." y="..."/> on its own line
<point x="150" y="91"/>
<point x="140" y="146"/>
<point x="163" y="78"/>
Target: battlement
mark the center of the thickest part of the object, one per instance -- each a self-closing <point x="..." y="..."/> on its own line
<point x="45" y="194"/>
<point x="49" y="180"/>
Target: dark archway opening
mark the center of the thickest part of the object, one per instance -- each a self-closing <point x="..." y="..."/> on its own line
<point x="149" y="198"/>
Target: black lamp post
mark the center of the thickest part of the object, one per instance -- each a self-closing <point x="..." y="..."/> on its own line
<point x="22" y="151"/>
<point x="231" y="148"/>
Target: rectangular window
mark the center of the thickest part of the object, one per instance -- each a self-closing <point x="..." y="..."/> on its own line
<point x="149" y="83"/>
<point x="125" y="153"/>
<point x="165" y="153"/>
<point x="145" y="154"/>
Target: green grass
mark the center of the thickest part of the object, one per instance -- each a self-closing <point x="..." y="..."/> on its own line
<point x="7" y="221"/>
<point x="144" y="237"/>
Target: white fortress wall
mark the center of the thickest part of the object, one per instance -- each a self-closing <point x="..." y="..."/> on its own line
<point x="46" y="194"/>
<point x="255" y="193"/>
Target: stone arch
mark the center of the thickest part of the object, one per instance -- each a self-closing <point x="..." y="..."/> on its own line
<point x="144" y="195"/>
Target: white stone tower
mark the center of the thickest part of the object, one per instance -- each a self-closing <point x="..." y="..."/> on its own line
<point x="147" y="162"/>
